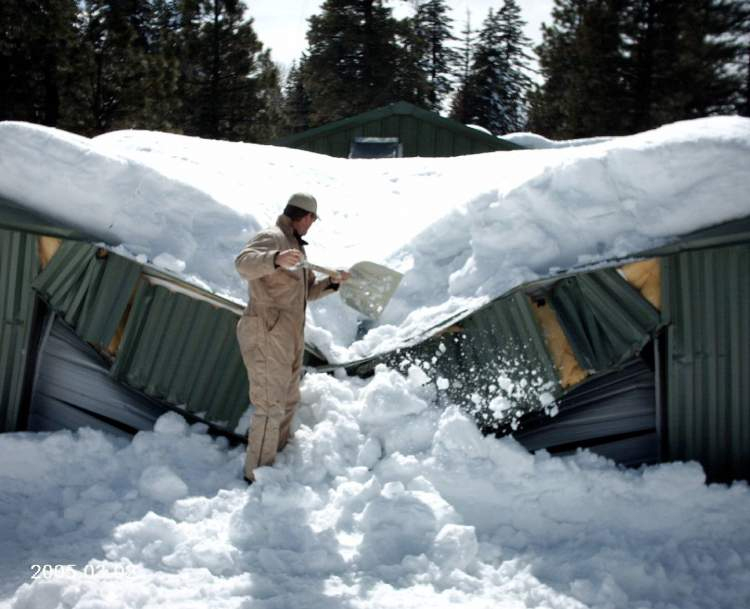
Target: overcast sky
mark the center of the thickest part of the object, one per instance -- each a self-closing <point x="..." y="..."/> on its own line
<point x="282" y="24"/>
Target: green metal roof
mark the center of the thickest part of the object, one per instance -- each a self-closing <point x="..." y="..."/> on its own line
<point x="421" y="132"/>
<point x="707" y="296"/>
<point x="18" y="265"/>
<point x="17" y="218"/>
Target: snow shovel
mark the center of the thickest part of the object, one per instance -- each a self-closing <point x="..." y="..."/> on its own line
<point x="368" y="290"/>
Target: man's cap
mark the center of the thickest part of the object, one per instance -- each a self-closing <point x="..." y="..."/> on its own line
<point x="304" y="201"/>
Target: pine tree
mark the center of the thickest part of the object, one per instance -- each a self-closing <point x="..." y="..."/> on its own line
<point x="466" y="55"/>
<point x="352" y="52"/>
<point x="409" y="81"/>
<point x="437" y="59"/>
<point x="495" y="93"/>
<point x="228" y="83"/>
<point x="582" y="62"/>
<point x="297" y="102"/>
<point x="37" y="39"/>
<point x="620" y="66"/>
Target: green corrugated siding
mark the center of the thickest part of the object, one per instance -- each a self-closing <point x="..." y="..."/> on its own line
<point x="708" y="393"/>
<point x="605" y="319"/>
<point x="89" y="291"/>
<point x="421" y="133"/>
<point x="18" y="265"/>
<point x="184" y="351"/>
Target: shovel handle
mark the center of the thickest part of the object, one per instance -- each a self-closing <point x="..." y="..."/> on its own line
<point x="321" y="269"/>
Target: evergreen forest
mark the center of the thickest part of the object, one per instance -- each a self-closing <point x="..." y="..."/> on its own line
<point x="198" y="67"/>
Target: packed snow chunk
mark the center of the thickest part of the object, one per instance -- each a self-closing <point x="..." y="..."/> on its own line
<point x="370" y="453"/>
<point x="397" y="524"/>
<point x="171" y="423"/>
<point x="159" y="482"/>
<point x="389" y="397"/>
<point x="456" y="547"/>
<point x="147" y="540"/>
<point x="170" y="263"/>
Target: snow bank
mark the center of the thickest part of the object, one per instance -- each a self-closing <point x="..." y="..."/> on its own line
<point x="534" y="141"/>
<point x="382" y="499"/>
<point x="463" y="230"/>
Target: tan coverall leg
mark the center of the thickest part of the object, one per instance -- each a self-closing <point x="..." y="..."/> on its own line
<point x="272" y="343"/>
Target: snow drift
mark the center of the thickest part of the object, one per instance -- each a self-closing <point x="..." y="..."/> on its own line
<point x="383" y="499"/>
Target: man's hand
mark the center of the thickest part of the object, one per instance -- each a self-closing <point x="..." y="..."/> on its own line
<point x="289" y="258"/>
<point x="341" y="277"/>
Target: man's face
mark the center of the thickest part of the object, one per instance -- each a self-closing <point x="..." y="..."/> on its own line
<point x="304" y="223"/>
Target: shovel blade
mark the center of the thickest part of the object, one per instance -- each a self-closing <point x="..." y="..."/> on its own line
<point x="370" y="288"/>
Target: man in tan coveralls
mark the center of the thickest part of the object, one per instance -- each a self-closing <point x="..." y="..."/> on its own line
<point x="271" y="329"/>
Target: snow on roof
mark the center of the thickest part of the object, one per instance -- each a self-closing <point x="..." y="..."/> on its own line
<point x="463" y="230"/>
<point x="534" y="141"/>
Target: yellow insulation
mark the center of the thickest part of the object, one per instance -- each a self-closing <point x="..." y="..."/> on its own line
<point x="567" y="365"/>
<point x="47" y="247"/>
<point x="645" y="276"/>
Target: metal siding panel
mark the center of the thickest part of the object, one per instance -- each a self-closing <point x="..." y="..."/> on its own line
<point x="104" y="310"/>
<point x="427" y="137"/>
<point x="372" y="129"/>
<point x="391" y="127"/>
<point x="444" y="143"/>
<point x="409" y="138"/>
<point x="185" y="351"/>
<point x="605" y="319"/>
<point x="142" y="300"/>
<point x="708" y="397"/>
<point x="461" y="146"/>
<point x="338" y="144"/>
<point x="74" y="389"/>
<point x="18" y="265"/>
<point x="501" y="339"/>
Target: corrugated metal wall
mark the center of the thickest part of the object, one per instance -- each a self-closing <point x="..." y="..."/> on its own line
<point x="419" y="138"/>
<point x="184" y="351"/>
<point x="18" y="266"/>
<point x="90" y="288"/>
<point x="708" y="363"/>
<point x="175" y="347"/>
<point x="421" y="132"/>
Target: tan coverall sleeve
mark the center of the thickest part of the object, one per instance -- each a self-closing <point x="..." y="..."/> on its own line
<point x="322" y="287"/>
<point x="256" y="258"/>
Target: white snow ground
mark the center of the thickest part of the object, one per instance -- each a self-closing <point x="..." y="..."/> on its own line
<point x="382" y="500"/>
<point x="464" y="229"/>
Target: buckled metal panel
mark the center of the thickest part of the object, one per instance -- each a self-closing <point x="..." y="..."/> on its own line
<point x="18" y="265"/>
<point x="90" y="291"/>
<point x="606" y="320"/>
<point x="708" y="364"/>
<point x="74" y="389"/>
<point x="184" y="351"/>
<point x="497" y="351"/>
<point x="613" y="414"/>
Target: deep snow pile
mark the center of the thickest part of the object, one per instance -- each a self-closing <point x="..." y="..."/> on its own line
<point x="535" y="141"/>
<point x="382" y="500"/>
<point x="463" y="229"/>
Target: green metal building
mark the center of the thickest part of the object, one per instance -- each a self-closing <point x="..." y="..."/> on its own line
<point x="643" y="361"/>
<point x="399" y="129"/>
